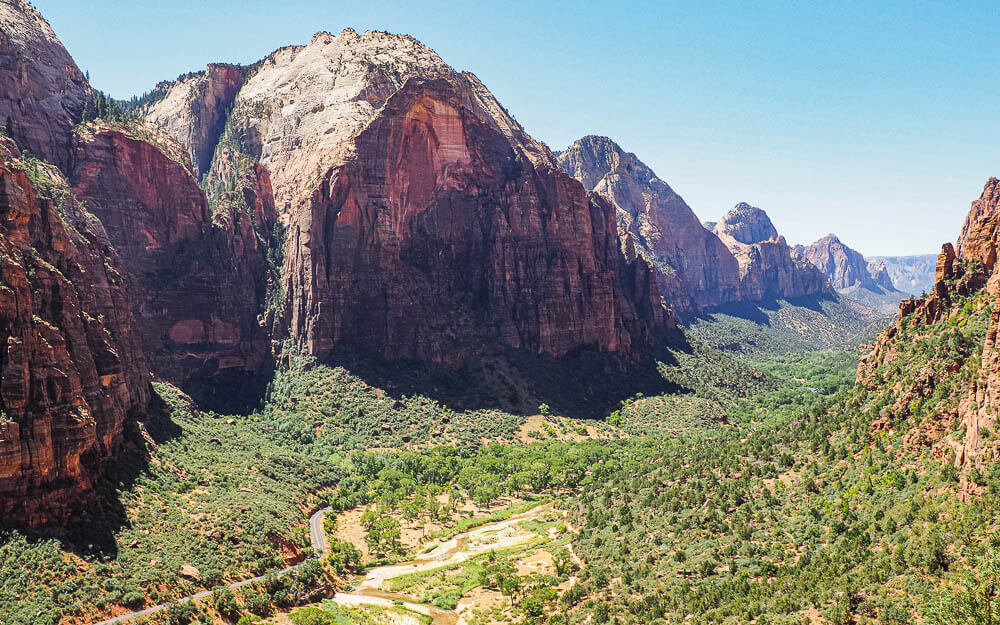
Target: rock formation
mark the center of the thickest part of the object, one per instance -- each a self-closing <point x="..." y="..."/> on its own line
<point x="423" y="223"/>
<point x="853" y="276"/>
<point x="746" y="225"/>
<point x="977" y="247"/>
<point x="193" y="110"/>
<point x="879" y="273"/>
<point x="42" y="91"/>
<point x="978" y="240"/>
<point x="769" y="268"/>
<point x="694" y="268"/>
<point x="71" y="369"/>
<point x="437" y="236"/>
<point x="197" y="279"/>
<point x="843" y="266"/>
<point x="959" y="275"/>
<point x="699" y="266"/>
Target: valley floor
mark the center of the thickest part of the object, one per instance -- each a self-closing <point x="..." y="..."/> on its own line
<point x="760" y="494"/>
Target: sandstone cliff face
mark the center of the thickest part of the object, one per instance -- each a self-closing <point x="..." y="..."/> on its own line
<point x="42" y="91"/>
<point x="745" y="224"/>
<point x="978" y="240"/>
<point x="300" y="109"/>
<point x="852" y="276"/>
<point x="843" y="266"/>
<point x="437" y="236"/>
<point x="423" y="223"/>
<point x="71" y="369"/>
<point x="694" y="268"/>
<point x="194" y="110"/>
<point x="960" y="274"/>
<point x="197" y="280"/>
<point x="769" y="268"/>
<point x="977" y="245"/>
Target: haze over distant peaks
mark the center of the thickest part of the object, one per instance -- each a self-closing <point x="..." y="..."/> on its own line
<point x="852" y="275"/>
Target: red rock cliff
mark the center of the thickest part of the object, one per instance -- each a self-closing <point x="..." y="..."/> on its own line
<point x="843" y="266"/>
<point x="693" y="267"/>
<point x="71" y="370"/>
<point x="197" y="280"/>
<point x="769" y="268"/>
<point x="437" y="237"/>
<point x="959" y="275"/>
<point x="193" y="110"/>
<point x="978" y="240"/>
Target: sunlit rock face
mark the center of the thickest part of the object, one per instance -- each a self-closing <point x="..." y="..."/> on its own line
<point x="437" y="236"/>
<point x="769" y="267"/>
<point x="42" y="91"/>
<point x="71" y="369"/>
<point x="193" y="110"/>
<point x="959" y="273"/>
<point x="694" y="268"/>
<point x="423" y="222"/>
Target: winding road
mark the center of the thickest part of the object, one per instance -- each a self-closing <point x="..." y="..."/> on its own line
<point x="316" y="537"/>
<point x="372" y="591"/>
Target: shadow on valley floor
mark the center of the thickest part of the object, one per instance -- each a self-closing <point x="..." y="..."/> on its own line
<point x="228" y="391"/>
<point x="585" y="383"/>
<point x="91" y="527"/>
<point x="758" y="312"/>
<point x="780" y="326"/>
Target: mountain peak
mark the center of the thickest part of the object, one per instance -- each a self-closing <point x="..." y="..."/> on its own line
<point x="746" y="224"/>
<point x="42" y="91"/>
<point x="694" y="268"/>
<point x="981" y="230"/>
<point x="851" y="274"/>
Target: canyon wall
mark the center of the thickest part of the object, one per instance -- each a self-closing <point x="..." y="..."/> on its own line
<point x="71" y="368"/>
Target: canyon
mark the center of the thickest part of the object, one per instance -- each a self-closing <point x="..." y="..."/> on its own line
<point x="398" y="211"/>
<point x="357" y="195"/>
<point x="739" y="259"/>
<point x="329" y="337"/>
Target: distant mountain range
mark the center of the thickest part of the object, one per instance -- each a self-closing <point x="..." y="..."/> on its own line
<point x="739" y="259"/>
<point x="912" y="274"/>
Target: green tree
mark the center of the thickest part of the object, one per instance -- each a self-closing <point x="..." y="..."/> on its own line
<point x="225" y="602"/>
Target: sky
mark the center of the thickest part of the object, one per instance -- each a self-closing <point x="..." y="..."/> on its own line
<point x="877" y="121"/>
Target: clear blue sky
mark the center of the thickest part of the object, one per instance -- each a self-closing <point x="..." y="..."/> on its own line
<point x="874" y="120"/>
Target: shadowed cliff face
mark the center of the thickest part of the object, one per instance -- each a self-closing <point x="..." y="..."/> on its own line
<point x="694" y="268"/>
<point x="437" y="239"/>
<point x="197" y="287"/>
<point x="71" y="369"/>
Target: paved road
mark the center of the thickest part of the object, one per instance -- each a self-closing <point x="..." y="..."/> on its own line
<point x="316" y="537"/>
<point x="316" y="534"/>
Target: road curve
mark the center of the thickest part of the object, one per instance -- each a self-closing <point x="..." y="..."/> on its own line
<point x="316" y="537"/>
